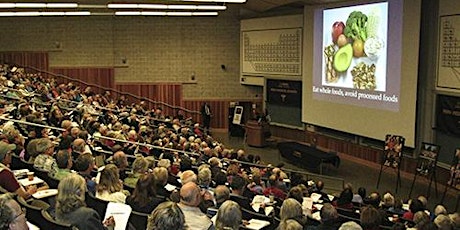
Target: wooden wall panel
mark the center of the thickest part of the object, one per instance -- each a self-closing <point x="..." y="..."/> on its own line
<point x="38" y="60"/>
<point x="167" y="93"/>
<point x="97" y="77"/>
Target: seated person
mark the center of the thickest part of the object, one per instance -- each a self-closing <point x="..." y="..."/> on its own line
<point x="64" y="163"/>
<point x="84" y="166"/>
<point x="229" y="216"/>
<point x="166" y="216"/>
<point x="110" y="187"/>
<point x="7" y="179"/>
<point x="45" y="161"/>
<point x="273" y="188"/>
<point x="121" y="161"/>
<point x="238" y="184"/>
<point x="71" y="207"/>
<point x="344" y="200"/>
<point x="140" y="166"/>
<point x="11" y="214"/>
<point x="161" y="177"/>
<point x="144" y="198"/>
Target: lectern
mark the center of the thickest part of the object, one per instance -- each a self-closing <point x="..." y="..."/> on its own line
<point x="255" y="133"/>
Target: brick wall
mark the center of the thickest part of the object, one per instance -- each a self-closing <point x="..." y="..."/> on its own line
<point x="155" y="49"/>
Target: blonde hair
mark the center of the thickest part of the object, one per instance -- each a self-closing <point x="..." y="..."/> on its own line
<point x="71" y="194"/>
<point x="140" y="165"/>
<point x="161" y="174"/>
<point x="109" y="180"/>
<point x="291" y="208"/>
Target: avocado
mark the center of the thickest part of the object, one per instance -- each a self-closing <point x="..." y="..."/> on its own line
<point x="342" y="59"/>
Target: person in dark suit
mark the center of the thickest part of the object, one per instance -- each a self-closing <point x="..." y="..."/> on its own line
<point x="206" y="116"/>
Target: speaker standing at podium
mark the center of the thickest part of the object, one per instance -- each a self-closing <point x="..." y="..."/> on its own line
<point x="206" y="116"/>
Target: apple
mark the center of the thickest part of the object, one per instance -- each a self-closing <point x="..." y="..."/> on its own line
<point x="337" y="30"/>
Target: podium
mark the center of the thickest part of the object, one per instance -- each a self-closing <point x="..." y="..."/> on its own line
<point x="255" y="133"/>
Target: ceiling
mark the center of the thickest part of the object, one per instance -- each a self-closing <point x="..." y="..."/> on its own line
<point x="268" y="5"/>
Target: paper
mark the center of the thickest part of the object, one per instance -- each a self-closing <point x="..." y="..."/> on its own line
<point x="331" y="197"/>
<point x="316" y="216"/>
<point x="318" y="206"/>
<point x="32" y="226"/>
<point x="20" y="172"/>
<point x="170" y="187"/>
<point x="315" y="197"/>
<point x="268" y="210"/>
<point x="307" y="202"/>
<point x="26" y="182"/>
<point x="45" y="193"/>
<point x="120" y="213"/>
<point x="257" y="224"/>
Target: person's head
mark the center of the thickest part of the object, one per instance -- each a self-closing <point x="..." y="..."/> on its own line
<point x="140" y="165"/>
<point x="204" y="176"/>
<point x="420" y="217"/>
<point x="190" y="194"/>
<point x="229" y="216"/>
<point x="296" y="193"/>
<point x="12" y="216"/>
<point x="45" y="146"/>
<point x="120" y="160"/>
<point x="71" y="194"/>
<point x="440" y="209"/>
<point x="328" y="213"/>
<point x="5" y="152"/>
<point x="78" y="145"/>
<point x="290" y="224"/>
<point x="291" y="208"/>
<point x="64" y="159"/>
<point x="166" y="163"/>
<point x="319" y="185"/>
<point x="350" y="225"/>
<point x="188" y="176"/>
<point x="455" y="217"/>
<point x="166" y="215"/>
<point x="109" y="179"/>
<point x="388" y="200"/>
<point x="370" y="218"/>
<point x="161" y="175"/>
<point x="222" y="193"/>
<point x="145" y="189"/>
<point x="416" y="205"/>
<point x="345" y="197"/>
<point x="238" y="183"/>
<point x="84" y="163"/>
<point x="424" y="200"/>
<point x="373" y="199"/>
<point x="443" y="222"/>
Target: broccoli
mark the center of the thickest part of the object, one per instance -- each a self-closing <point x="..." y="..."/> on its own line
<point x="356" y="26"/>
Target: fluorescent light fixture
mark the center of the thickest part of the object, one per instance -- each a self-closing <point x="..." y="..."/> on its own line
<point x="7" y="5"/>
<point x="221" y="1"/>
<point x="61" y="5"/>
<point x="164" y="7"/>
<point x="162" y="13"/>
<point x="36" y="13"/>
<point x="30" y="5"/>
<point x="38" y="5"/>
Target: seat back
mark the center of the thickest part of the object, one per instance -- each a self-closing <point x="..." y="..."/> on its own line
<point x="138" y="220"/>
<point x="97" y="204"/>
<point x="33" y="213"/>
<point x="50" y="223"/>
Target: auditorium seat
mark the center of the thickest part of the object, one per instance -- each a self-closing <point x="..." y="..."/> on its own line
<point x="50" y="223"/>
<point x="97" y="204"/>
<point x="138" y="220"/>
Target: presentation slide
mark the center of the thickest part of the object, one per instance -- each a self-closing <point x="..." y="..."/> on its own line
<point x="363" y="71"/>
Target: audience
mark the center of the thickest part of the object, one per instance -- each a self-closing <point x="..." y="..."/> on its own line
<point x="84" y="166"/>
<point x="64" y="163"/>
<point x="45" y="160"/>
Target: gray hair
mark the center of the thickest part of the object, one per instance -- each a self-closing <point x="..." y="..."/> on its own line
<point x="166" y="215"/>
<point x="350" y="225"/>
<point x="229" y="216"/>
<point x="290" y="224"/>
<point x="204" y="176"/>
<point x="6" y="212"/>
<point x="71" y="195"/>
